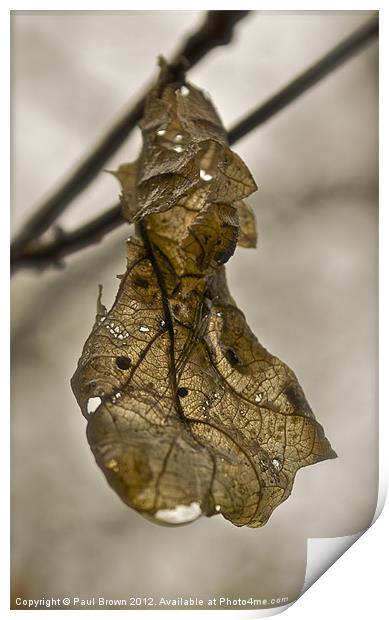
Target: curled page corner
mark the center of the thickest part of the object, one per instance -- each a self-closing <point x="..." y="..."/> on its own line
<point x="382" y="487"/>
<point x="322" y="553"/>
<point x="254" y="613"/>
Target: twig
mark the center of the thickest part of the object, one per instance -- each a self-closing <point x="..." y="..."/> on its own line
<point x="337" y="56"/>
<point x="50" y="253"/>
<point x="216" y="29"/>
<point x="40" y="255"/>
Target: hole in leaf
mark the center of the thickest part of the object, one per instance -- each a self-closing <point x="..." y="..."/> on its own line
<point x="232" y="357"/>
<point x="123" y="362"/>
<point x="182" y="391"/>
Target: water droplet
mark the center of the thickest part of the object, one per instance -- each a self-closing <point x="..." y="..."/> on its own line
<point x="162" y="323"/>
<point x="217" y="507"/>
<point x="180" y="514"/>
<point x="102" y="319"/>
<point x="161" y="132"/>
<point x="205" y="176"/>
<point x="219" y="314"/>
<point x="276" y="464"/>
<point x="143" y="329"/>
<point x="184" y="90"/>
<point x="178" y="137"/>
<point x="178" y="149"/>
<point x="258" y="398"/>
<point x="112" y="464"/>
<point x="92" y="404"/>
<point x="115" y="397"/>
<point x="207" y="402"/>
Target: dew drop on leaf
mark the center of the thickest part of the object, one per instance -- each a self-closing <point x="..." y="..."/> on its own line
<point x="92" y="404"/>
<point x="205" y="176"/>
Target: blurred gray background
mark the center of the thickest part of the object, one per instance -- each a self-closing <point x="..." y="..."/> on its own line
<point x="309" y="292"/>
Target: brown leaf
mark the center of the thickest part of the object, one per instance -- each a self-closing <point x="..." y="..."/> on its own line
<point x="187" y="413"/>
<point x="248" y="230"/>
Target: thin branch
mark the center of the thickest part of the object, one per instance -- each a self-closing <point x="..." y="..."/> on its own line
<point x="42" y="255"/>
<point x="216" y="29"/>
<point x="337" y="56"/>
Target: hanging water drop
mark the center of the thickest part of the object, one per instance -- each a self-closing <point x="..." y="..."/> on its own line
<point x="179" y="514"/>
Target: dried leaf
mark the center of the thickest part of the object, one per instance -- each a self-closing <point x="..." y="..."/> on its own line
<point x="248" y="231"/>
<point x="187" y="413"/>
